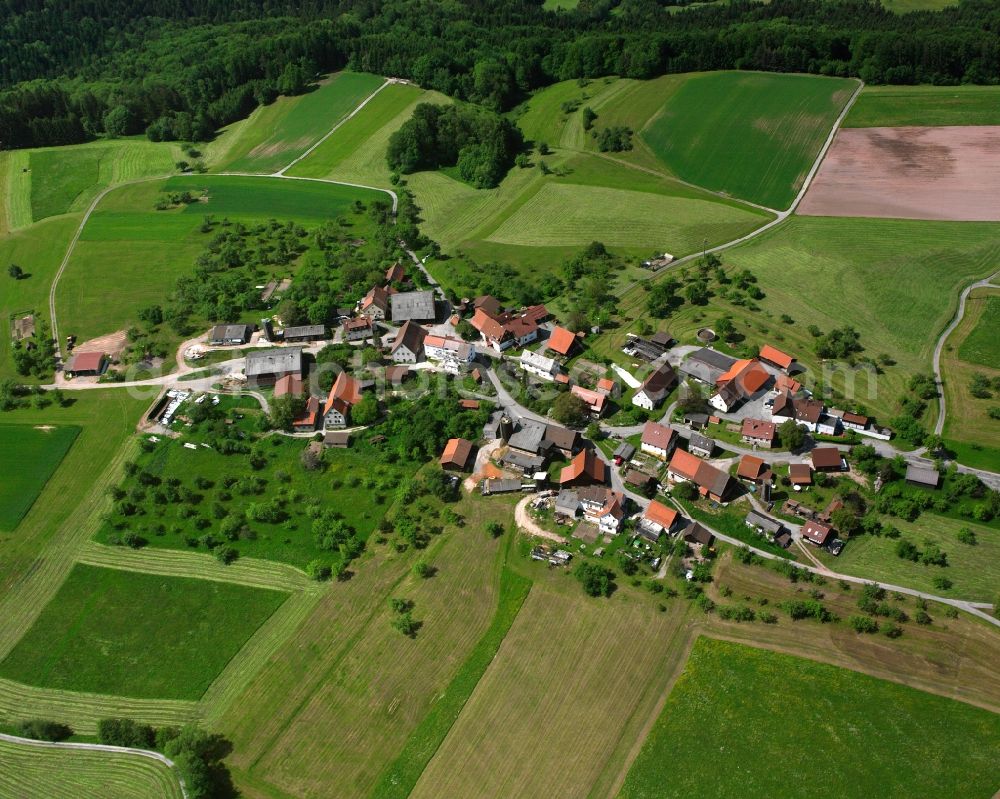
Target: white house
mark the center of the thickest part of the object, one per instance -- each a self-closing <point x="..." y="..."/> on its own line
<point x="453" y="354"/>
<point x="409" y="344"/>
<point x="657" y="440"/>
<point x="603" y="507"/>
<point x="655" y="388"/>
<point x="539" y="365"/>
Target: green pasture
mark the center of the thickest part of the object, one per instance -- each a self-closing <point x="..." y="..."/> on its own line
<point x="749" y="722"/>
<point x="973" y="569"/>
<point x="130" y="255"/>
<point x="277" y="134"/>
<point x="905" y="6"/>
<point x="28" y="457"/>
<point x="982" y="345"/>
<point x="138" y="635"/>
<point x="350" y="482"/>
<point x="895" y="106"/>
<point x="750" y="135"/>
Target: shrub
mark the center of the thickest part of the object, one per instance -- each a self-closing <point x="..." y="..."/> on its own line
<point x="863" y="624"/>
<point x="43" y="730"/>
<point x="126" y="732"/>
<point x="595" y="579"/>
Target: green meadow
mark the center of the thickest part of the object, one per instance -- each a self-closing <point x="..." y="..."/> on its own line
<point x="895" y="106"/>
<point x="130" y="255"/>
<point x="981" y="345"/>
<point x="747" y="722"/>
<point x="28" y="457"/>
<point x="138" y="635"/>
<point x="276" y="134"/>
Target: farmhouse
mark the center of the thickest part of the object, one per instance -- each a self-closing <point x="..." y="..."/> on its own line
<point x="395" y="273"/>
<point x="805" y="412"/>
<point x="655" y="388"/>
<point x="358" y="329"/>
<point x="656" y="520"/>
<point x="409" y="344"/>
<point x="87" y="364"/>
<point x="529" y="438"/>
<point x="504" y="330"/>
<point x="657" y="440"/>
<point x="539" y="365"/>
<point x="289" y="385"/>
<point x="456" y="454"/>
<point x="759" y="433"/>
<point x="700" y="445"/>
<point x="375" y="304"/>
<point x="776" y="357"/>
<point x="607" y="386"/>
<point x="561" y="341"/>
<point x="562" y="438"/>
<point x="453" y="354"/>
<point x="413" y="306"/>
<point x="711" y="482"/>
<point x="753" y="470"/>
<point x="739" y="383"/>
<point x="816" y="532"/>
<point x="585" y="469"/>
<point x="925" y="476"/>
<point x="224" y="335"/>
<point x="304" y="333"/>
<point x="345" y="394"/>
<point x="786" y="383"/>
<point x="309" y="418"/>
<point x="694" y="533"/>
<point x="827" y="459"/>
<point x="595" y="400"/>
<point x="706" y="365"/>
<point x="695" y="420"/>
<point x="396" y="375"/>
<point x="266" y="367"/>
<point x="800" y="474"/>
<point x="603" y="507"/>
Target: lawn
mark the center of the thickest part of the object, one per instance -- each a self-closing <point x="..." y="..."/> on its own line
<point x="895" y="281"/>
<point x="28" y="457"/>
<point x="138" y="635"/>
<point x="130" y="255"/>
<point x="974" y="569"/>
<point x="58" y="178"/>
<point x="352" y="482"/>
<point x="774" y="724"/>
<point x="30" y="772"/>
<point x="276" y="134"/>
<point x="981" y="345"/>
<point x="750" y="135"/>
<point x="894" y="106"/>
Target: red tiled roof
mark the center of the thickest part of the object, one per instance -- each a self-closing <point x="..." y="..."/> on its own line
<point x="709" y="479"/>
<point x="487" y="325"/>
<point x="800" y="473"/>
<point x="561" y="341"/>
<point x="660" y="514"/>
<point x="784" y="382"/>
<point x="308" y="417"/>
<point x="594" y="399"/>
<point x="86" y="362"/>
<point x="468" y="404"/>
<point x="747" y="375"/>
<point x="289" y="384"/>
<point x="757" y="428"/>
<point x="656" y="435"/>
<point x="456" y="453"/>
<point x="346" y="390"/>
<point x="817" y="532"/>
<point x="606" y="384"/>
<point x="825" y="458"/>
<point x="751" y="467"/>
<point x="776" y="356"/>
<point x="585" y="464"/>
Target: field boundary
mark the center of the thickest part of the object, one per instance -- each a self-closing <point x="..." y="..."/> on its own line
<point x="121" y="750"/>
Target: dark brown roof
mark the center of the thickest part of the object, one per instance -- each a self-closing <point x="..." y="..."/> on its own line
<point x="696" y="534"/>
<point x="411" y="335"/>
<point x="659" y="383"/>
<point x="825" y="458"/>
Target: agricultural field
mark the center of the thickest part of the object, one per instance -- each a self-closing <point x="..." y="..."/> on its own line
<point x="137" y="635"/>
<point x="130" y="255"/>
<point x="339" y="701"/>
<point x="906" y="6"/>
<point x="895" y="281"/>
<point x="32" y="772"/>
<point x="754" y="710"/>
<point x="29" y="456"/>
<point x="356" y="152"/>
<point x="275" y="135"/>
<point x="973" y="569"/>
<point x="971" y="349"/>
<point x="350" y="482"/>
<point x="894" y="106"/>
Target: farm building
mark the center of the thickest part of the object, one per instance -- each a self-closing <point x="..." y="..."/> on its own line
<point x="504" y="486"/>
<point x="711" y="482"/>
<point x="655" y="388"/>
<point x="695" y="420"/>
<point x="395" y="273"/>
<point x="640" y="481"/>
<point x="409" y="344"/>
<point x="516" y="459"/>
<point x="375" y="304"/>
<point x="763" y="524"/>
<point x="288" y="386"/>
<point x="586" y="468"/>
<point x="567" y="504"/>
<point x="539" y="365"/>
<point x="694" y="533"/>
<point x="266" y="367"/>
<point x="561" y="341"/>
<point x="816" y="532"/>
<point x="456" y="454"/>
<point x="339" y="439"/>
<point x="87" y="364"/>
<point x="706" y="365"/>
<point x="759" y="433"/>
<point x="753" y="470"/>
<point x="223" y="335"/>
<point x="926" y="476"/>
<point x="700" y="445"/>
<point x="827" y="459"/>
<point x="563" y="439"/>
<point x="396" y="375"/>
<point x="344" y="395"/>
<point x="595" y="400"/>
<point x="413" y="306"/>
<point x="738" y="384"/>
<point x="304" y="333"/>
<point x="309" y="418"/>
<point x="623" y="453"/>
<point x="607" y="386"/>
<point x="649" y="349"/>
<point x="800" y="474"/>
<point x="657" y="440"/>
<point x="359" y="329"/>
<point x="529" y="438"/>
<point x="776" y="357"/>
<point x="656" y="520"/>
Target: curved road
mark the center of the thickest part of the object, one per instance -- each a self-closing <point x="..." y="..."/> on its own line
<point x="147" y="753"/>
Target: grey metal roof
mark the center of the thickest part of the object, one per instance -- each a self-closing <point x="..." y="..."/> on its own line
<point x="698" y="441"/>
<point x="625" y="451"/>
<point x="707" y="364"/>
<point x="758" y="519"/>
<point x="229" y="332"/>
<point x="529" y="437"/>
<point x="274" y="361"/>
<point x="299" y="331"/>
<point x="417" y="305"/>
<point x="924" y="475"/>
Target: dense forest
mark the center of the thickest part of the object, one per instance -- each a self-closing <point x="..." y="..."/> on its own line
<point x="75" y="69"/>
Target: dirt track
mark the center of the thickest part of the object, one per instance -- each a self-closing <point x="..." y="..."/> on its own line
<point x="945" y="173"/>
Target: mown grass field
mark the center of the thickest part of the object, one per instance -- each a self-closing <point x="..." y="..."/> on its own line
<point x="130" y="255"/>
<point x="275" y="135"/>
<point x="338" y="702"/>
<point x="896" y="282"/>
<point x="753" y="136"/>
<point x="775" y="725"/>
<point x="132" y="634"/>
<point x="28" y="458"/>
<point x="895" y="106"/>
<point x="30" y="772"/>
<point x="972" y="349"/>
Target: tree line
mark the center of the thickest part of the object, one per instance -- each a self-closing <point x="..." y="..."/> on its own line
<point x="179" y="69"/>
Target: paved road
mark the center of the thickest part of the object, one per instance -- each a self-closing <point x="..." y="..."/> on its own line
<point x="147" y="753"/>
<point x="988" y="282"/>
